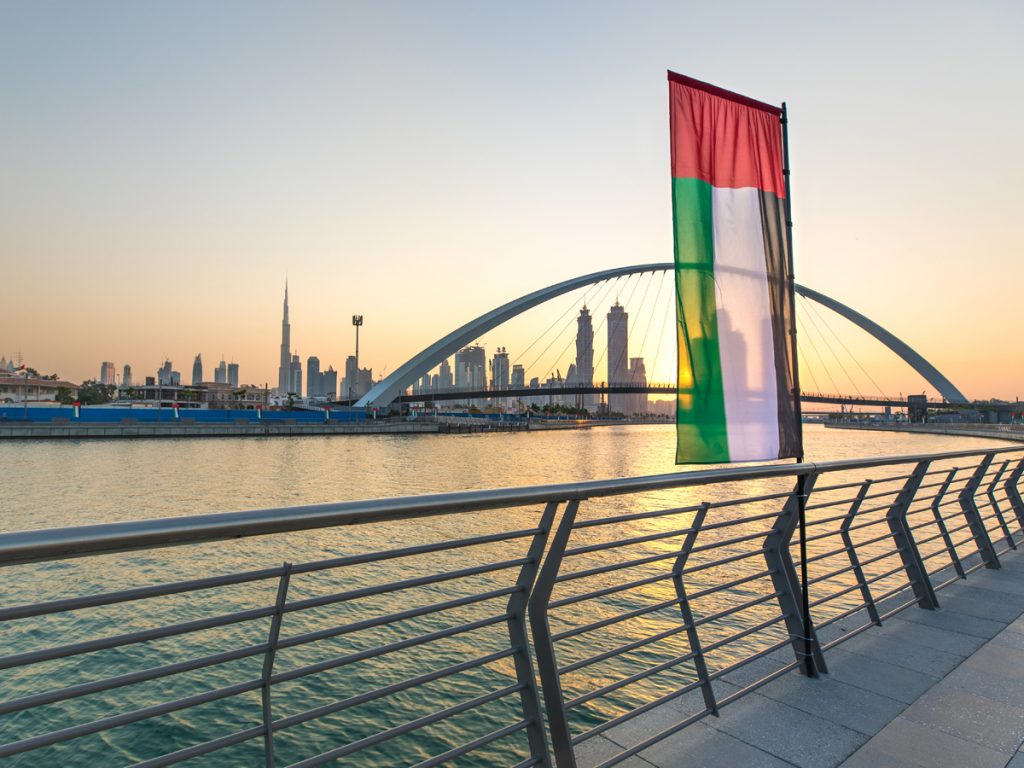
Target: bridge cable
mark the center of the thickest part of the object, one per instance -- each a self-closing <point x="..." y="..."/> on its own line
<point x="814" y="347"/>
<point x="630" y="299"/>
<point x="556" y="337"/>
<point x="828" y="346"/>
<point x="852" y="356"/>
<point x="650" y="322"/>
<point x="669" y="306"/>
<point x="560" y="318"/>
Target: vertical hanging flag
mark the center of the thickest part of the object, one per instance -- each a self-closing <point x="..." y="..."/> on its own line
<point x="736" y="397"/>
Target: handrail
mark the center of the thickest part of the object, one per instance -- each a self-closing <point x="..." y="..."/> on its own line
<point x="106" y="538"/>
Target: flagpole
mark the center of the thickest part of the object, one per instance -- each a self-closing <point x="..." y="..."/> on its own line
<point x="801" y="483"/>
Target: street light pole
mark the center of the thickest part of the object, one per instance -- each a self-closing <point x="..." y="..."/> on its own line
<point x="357" y="321"/>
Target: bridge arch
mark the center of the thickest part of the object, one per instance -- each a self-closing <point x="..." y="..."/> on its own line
<point x="395" y="384"/>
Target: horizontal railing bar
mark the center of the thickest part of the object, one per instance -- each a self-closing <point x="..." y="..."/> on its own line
<point x="396" y="586"/>
<point x="582" y="550"/>
<point x="475" y="744"/>
<point x="579" y="524"/>
<point x="608" y="724"/>
<point x="898" y="609"/>
<point x="381" y="650"/>
<point x="774" y="675"/>
<point x="732" y="541"/>
<point x="936" y="553"/>
<point x="138" y="593"/>
<point x="820" y="625"/>
<point x="848" y="635"/>
<point x="824" y="555"/>
<point x="617" y="618"/>
<point x="131" y="638"/>
<point x="528" y="762"/>
<point x="857" y="527"/>
<point x="81" y="541"/>
<point x="131" y="678"/>
<point x="356" y="626"/>
<point x="419" y="549"/>
<point x="651" y="740"/>
<point x="413" y="725"/>
<point x="749" y="500"/>
<point x="205" y="748"/>
<point x="848" y="568"/>
<point x="730" y="584"/>
<point x="583" y="596"/>
<point x="597" y="570"/>
<point x="834" y="595"/>
<point x="743" y="633"/>
<point x="753" y="657"/>
<point x="388" y="690"/>
<point x="626" y="648"/>
<point x="626" y="681"/>
<point x="894" y="591"/>
<point x="126" y="718"/>
<point x="722" y="561"/>
<point x="885" y="575"/>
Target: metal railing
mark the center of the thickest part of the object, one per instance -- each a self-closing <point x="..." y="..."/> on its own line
<point x="501" y="627"/>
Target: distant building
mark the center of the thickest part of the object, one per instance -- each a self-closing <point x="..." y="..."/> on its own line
<point x="284" y="371"/>
<point x="357" y="381"/>
<point x="312" y="376"/>
<point x="518" y="379"/>
<point x="295" y="379"/>
<point x="329" y="384"/>
<point x="233" y="374"/>
<point x="500" y="378"/>
<point x="197" y="370"/>
<point x="220" y="373"/>
<point x="167" y="377"/>
<point x="126" y="376"/>
<point x="585" y="357"/>
<point x="637" y="377"/>
<point x="29" y="389"/>
<point x="471" y="367"/>
<point x="444" y="376"/>
<point x="107" y="375"/>
<point x="618" y="357"/>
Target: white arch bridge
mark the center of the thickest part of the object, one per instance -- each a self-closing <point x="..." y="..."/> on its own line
<point x="394" y="386"/>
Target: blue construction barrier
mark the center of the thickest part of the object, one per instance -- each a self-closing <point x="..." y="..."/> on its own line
<point x="109" y="415"/>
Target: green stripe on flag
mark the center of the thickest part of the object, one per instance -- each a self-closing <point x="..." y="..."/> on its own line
<point x="700" y="402"/>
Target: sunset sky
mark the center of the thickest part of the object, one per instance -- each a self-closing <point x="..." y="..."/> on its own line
<point x="167" y="165"/>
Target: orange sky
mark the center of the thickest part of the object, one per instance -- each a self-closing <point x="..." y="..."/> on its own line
<point x="165" y="167"/>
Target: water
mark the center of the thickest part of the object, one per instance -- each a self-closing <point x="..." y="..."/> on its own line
<point x="58" y="483"/>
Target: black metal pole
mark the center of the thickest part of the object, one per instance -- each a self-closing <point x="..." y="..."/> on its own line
<point x="801" y="484"/>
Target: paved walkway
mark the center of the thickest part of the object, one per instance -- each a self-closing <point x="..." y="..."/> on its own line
<point x="929" y="689"/>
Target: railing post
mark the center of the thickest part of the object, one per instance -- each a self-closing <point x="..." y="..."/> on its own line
<point x="991" y="493"/>
<point x="779" y="560"/>
<point x="941" y="523"/>
<point x="858" y="572"/>
<point x="977" y="525"/>
<point x="529" y="696"/>
<point x="902" y="536"/>
<point x="543" y="647"/>
<point x="684" y="607"/>
<point x="1013" y="493"/>
<point x="268" y="663"/>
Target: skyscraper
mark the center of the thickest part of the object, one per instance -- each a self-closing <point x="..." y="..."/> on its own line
<point x="197" y="370"/>
<point x="499" y="369"/>
<point x="220" y="373"/>
<point x="313" y="376"/>
<point x="107" y="375"/>
<point x="471" y="367"/>
<point x="126" y="377"/>
<point x="329" y="383"/>
<point x="618" y="356"/>
<point x="638" y="378"/>
<point x="284" y="372"/>
<point x="518" y="376"/>
<point x="295" y="377"/>
<point x="444" y="376"/>
<point x="585" y="356"/>
<point x="233" y="374"/>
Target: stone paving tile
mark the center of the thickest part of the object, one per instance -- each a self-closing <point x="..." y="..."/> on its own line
<point x="989" y="723"/>
<point x="940" y="639"/>
<point x="660" y="718"/>
<point x="944" y="618"/>
<point x="906" y="743"/>
<point x="995" y="581"/>
<point x="702" y="746"/>
<point x="598" y="749"/>
<point x="996" y="687"/>
<point x="997" y="660"/>
<point x="826" y="697"/>
<point x="1011" y="639"/>
<point x="880" y="677"/>
<point x="787" y="733"/>
<point x="981" y="607"/>
<point x="906" y="654"/>
<point x="1017" y="761"/>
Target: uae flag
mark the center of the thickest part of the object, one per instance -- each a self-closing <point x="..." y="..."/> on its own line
<point x="736" y="399"/>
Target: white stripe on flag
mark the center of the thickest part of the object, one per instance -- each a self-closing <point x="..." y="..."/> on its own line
<point x="745" y="338"/>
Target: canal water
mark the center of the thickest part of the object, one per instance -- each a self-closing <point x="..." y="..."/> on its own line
<point x="63" y="483"/>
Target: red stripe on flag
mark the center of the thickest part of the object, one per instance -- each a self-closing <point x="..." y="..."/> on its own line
<point x="723" y="138"/>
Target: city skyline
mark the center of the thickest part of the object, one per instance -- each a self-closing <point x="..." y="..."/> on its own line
<point x="156" y="199"/>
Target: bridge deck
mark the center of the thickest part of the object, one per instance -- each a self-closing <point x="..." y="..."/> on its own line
<point x="929" y="689"/>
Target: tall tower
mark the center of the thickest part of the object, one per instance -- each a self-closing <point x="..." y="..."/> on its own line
<point x="585" y="355"/>
<point x="618" y="356"/>
<point x="284" y="371"/>
<point x="197" y="370"/>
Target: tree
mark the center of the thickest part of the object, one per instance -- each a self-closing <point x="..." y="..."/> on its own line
<point x="64" y="396"/>
<point x="93" y="392"/>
